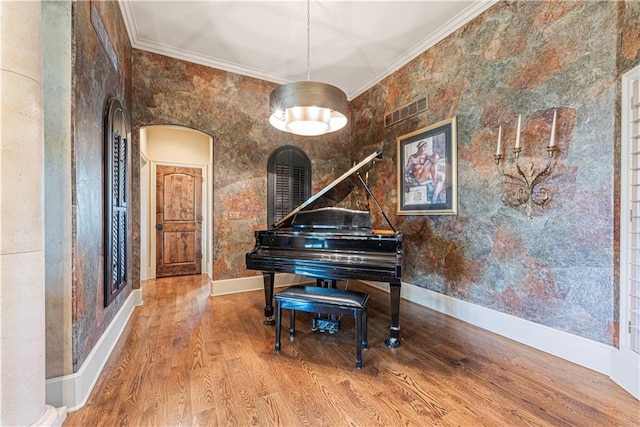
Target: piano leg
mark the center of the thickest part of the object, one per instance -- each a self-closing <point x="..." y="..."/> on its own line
<point x="394" y="339"/>
<point x="267" y="278"/>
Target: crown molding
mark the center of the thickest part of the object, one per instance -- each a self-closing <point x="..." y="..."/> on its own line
<point x="471" y="12"/>
<point x="475" y="9"/>
<point x="161" y="49"/>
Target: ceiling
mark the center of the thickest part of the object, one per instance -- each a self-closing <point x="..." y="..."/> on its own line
<point x="354" y="43"/>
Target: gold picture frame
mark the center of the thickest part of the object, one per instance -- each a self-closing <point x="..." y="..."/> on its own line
<point x="428" y="170"/>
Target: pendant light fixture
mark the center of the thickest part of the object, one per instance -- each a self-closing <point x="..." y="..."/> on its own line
<point x="308" y="108"/>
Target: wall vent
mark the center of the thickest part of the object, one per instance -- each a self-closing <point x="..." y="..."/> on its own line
<point x="405" y="112"/>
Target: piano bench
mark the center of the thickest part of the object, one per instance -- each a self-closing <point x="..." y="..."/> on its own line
<point x="313" y="299"/>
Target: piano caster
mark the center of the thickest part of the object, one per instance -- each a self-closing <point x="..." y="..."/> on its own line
<point x="393" y="342"/>
<point x="394" y="339"/>
<point x="269" y="321"/>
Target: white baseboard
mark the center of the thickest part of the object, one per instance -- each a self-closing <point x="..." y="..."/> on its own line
<point x="576" y="349"/>
<point x="625" y="370"/>
<point x="73" y="390"/>
<point x="255" y="283"/>
<point x="584" y="352"/>
<point x="52" y="417"/>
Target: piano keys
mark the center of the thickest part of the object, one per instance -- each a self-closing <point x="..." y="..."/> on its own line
<point x="324" y="241"/>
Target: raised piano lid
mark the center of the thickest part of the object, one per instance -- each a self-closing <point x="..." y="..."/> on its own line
<point x="332" y="193"/>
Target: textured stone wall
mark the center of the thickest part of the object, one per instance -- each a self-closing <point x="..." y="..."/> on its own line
<point x="234" y="110"/>
<point x="100" y="71"/>
<point x="559" y="268"/>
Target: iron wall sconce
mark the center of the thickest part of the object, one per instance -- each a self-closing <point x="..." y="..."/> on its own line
<point x="527" y="180"/>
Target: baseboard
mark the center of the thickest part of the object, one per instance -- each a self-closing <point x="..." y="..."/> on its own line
<point x="73" y="390"/>
<point x="52" y="417"/>
<point x="625" y="370"/>
<point x="576" y="349"/>
<point x="581" y="351"/>
<point x="255" y="283"/>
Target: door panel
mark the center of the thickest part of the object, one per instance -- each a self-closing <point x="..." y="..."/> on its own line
<point x="178" y="221"/>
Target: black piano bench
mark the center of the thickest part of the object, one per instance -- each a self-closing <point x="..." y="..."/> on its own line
<point x="328" y="301"/>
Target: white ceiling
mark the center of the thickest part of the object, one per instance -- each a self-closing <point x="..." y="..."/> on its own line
<point x="354" y="43"/>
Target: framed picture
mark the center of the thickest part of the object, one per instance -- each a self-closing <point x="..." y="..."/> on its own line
<point x="427" y="170"/>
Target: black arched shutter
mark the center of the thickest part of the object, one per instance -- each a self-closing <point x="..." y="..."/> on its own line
<point x="116" y="160"/>
<point x="289" y="181"/>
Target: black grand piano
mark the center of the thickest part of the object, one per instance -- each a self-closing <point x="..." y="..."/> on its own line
<point x="322" y="240"/>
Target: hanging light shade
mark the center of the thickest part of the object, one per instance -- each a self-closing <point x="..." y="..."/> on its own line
<point x="308" y="108"/>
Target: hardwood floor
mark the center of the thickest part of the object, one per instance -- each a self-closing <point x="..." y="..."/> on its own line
<point x="187" y="359"/>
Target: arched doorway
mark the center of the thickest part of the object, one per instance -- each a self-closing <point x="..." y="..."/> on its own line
<point x="173" y="147"/>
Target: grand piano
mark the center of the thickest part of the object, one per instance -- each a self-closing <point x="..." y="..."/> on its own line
<point x="327" y="239"/>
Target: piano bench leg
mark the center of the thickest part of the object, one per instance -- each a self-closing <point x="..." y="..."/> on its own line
<point x="278" y="325"/>
<point x="359" y="337"/>
<point x="365" y="341"/>
<point x="292" y="328"/>
<point x="335" y="302"/>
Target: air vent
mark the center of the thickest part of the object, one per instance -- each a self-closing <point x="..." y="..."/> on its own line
<point x="405" y="112"/>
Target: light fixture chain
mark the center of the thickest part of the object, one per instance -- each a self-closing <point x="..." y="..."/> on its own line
<point x="308" y="40"/>
<point x="308" y="108"/>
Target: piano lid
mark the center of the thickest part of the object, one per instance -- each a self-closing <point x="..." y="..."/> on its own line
<point x="332" y="193"/>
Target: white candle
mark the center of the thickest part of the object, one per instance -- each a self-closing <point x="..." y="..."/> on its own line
<point x="553" y="130"/>
<point x="518" y="132"/>
<point x="499" y="136"/>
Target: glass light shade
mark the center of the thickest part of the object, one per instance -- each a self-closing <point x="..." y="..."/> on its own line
<point x="308" y="108"/>
<point x="309" y="121"/>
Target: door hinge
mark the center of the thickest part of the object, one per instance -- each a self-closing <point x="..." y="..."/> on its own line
<point x="629" y="326"/>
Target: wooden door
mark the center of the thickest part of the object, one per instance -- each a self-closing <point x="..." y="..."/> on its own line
<point x="178" y="221"/>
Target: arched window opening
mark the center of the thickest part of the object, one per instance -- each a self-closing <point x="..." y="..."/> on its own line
<point x="288" y="181"/>
<point x="116" y="176"/>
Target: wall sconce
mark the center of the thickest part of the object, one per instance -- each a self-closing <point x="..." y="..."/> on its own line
<point x="527" y="192"/>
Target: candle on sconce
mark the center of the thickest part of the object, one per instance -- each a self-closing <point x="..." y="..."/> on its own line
<point x="499" y="137"/>
<point x="518" y="132"/>
<point x="552" y="142"/>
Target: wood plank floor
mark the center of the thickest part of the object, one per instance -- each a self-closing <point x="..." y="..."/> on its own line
<point x="189" y="359"/>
